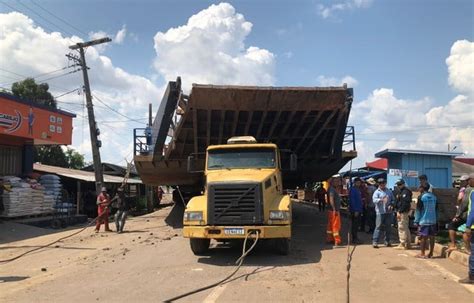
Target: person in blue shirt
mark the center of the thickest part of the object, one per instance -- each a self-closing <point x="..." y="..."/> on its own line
<point x="469" y="196"/>
<point x="383" y="201"/>
<point x="355" y="208"/>
<point x="426" y="220"/>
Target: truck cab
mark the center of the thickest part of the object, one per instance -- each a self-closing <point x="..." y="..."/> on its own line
<point x="243" y="196"/>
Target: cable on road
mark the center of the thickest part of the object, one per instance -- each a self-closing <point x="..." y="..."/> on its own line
<point x="349" y="252"/>
<point x="238" y="263"/>
<point x="49" y="244"/>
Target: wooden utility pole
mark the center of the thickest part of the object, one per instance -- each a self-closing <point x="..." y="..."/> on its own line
<point x="93" y="129"/>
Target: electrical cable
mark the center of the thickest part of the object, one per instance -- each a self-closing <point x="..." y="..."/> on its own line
<point x="116" y="111"/>
<point x="43" y="18"/>
<point x="238" y="263"/>
<point x="60" y="19"/>
<point x="51" y="243"/>
<point x="22" y="12"/>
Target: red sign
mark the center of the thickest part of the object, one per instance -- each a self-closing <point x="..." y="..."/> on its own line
<point x="28" y="121"/>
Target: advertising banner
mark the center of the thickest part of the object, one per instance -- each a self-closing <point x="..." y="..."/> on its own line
<point x="26" y="121"/>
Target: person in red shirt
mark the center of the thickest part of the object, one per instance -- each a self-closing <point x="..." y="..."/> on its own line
<point x="103" y="204"/>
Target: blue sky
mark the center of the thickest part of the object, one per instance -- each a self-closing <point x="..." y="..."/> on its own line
<point x="401" y="46"/>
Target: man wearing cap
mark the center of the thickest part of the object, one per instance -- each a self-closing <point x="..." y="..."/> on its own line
<point x="403" y="206"/>
<point x="383" y="200"/>
<point x="469" y="196"/>
<point x="103" y="203"/>
<point x="370" y="209"/>
<point x="461" y="215"/>
<point x="355" y="208"/>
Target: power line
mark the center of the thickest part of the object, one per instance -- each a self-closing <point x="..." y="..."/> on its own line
<point x="116" y="111"/>
<point x="17" y="10"/>
<point x="39" y="15"/>
<point x="59" y="18"/>
<point x="67" y="93"/>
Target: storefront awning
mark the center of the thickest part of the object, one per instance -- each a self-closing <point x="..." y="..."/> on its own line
<point x="79" y="174"/>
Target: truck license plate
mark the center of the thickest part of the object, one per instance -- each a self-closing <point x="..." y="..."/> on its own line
<point x="234" y="231"/>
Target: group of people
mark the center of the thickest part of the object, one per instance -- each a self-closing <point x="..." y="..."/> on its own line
<point x="373" y="204"/>
<point x="104" y="204"/>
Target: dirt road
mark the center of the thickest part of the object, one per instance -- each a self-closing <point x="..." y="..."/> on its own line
<point x="151" y="262"/>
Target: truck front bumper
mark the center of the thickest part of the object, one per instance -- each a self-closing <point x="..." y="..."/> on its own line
<point x="222" y="232"/>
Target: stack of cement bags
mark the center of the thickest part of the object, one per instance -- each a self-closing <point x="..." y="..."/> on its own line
<point x="53" y="187"/>
<point x="28" y="197"/>
<point x="18" y="199"/>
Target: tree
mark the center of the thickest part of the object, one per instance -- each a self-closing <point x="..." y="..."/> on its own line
<point x="55" y="155"/>
<point x="28" y="89"/>
<point x="74" y="159"/>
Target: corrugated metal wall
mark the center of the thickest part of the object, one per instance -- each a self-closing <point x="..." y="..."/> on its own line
<point x="437" y="168"/>
<point x="10" y="160"/>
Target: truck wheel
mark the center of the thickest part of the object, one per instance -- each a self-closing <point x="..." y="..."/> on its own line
<point x="199" y="246"/>
<point x="282" y="246"/>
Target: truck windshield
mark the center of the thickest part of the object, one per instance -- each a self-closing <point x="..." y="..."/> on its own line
<point x="241" y="158"/>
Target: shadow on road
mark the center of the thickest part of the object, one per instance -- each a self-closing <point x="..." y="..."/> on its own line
<point x="12" y="279"/>
<point x="175" y="217"/>
<point x="308" y="241"/>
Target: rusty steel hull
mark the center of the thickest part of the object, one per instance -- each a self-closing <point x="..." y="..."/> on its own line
<point x="310" y="121"/>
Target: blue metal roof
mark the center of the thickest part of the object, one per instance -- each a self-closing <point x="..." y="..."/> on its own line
<point x="387" y="152"/>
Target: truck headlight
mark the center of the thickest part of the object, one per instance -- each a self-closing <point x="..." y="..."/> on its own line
<point x="279" y="215"/>
<point x="193" y="216"/>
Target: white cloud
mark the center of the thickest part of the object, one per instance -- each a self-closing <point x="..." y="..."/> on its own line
<point x="118" y="38"/>
<point x="327" y="11"/>
<point x="461" y="67"/>
<point x="332" y="81"/>
<point x="210" y="48"/>
<point x="120" y="35"/>
<point x="25" y="44"/>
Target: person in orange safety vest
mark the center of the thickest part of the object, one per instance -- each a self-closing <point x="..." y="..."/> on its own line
<point x="334" y="216"/>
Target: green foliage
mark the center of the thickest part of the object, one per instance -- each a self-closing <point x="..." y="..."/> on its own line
<point x="28" y="89"/>
<point x="74" y="159"/>
<point x="54" y="155"/>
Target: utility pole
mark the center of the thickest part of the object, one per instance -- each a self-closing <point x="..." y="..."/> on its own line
<point x="93" y="129"/>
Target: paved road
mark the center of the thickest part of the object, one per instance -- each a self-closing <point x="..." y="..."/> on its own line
<point x="152" y="262"/>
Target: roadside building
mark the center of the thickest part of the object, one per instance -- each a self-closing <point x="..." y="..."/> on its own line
<point x="24" y="124"/>
<point x="409" y="164"/>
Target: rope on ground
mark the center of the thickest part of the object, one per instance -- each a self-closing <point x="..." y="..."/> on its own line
<point x="49" y="244"/>
<point x="238" y="263"/>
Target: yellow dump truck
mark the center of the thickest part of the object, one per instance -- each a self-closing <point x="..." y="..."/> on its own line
<point x="243" y="194"/>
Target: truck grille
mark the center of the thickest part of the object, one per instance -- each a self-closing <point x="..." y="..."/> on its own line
<point x="235" y="204"/>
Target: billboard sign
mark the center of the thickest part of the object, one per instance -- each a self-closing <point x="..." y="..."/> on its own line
<point x="43" y="126"/>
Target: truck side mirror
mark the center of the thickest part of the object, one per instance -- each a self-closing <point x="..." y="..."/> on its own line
<point x="293" y="162"/>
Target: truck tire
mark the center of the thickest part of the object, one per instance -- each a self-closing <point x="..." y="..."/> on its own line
<point x="199" y="246"/>
<point x="282" y="246"/>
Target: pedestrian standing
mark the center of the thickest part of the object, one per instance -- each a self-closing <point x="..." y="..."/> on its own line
<point x="370" y="209"/>
<point x="426" y="220"/>
<point x="103" y="204"/>
<point x="334" y="216"/>
<point x="469" y="230"/>
<point x="383" y="201"/>
<point x="122" y="209"/>
<point x="403" y="207"/>
<point x="321" y="194"/>
<point x="424" y="182"/>
<point x="355" y="208"/>
<point x="461" y="213"/>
